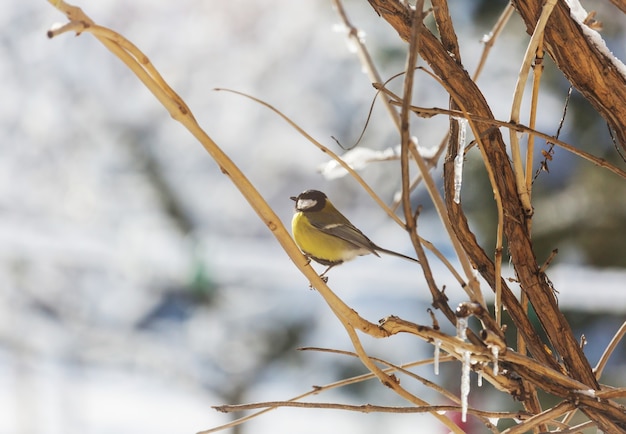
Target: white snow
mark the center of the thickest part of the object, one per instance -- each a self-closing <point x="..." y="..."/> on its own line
<point x="357" y="158"/>
<point x="578" y="13"/>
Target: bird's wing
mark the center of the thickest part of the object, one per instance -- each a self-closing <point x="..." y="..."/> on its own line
<point x="349" y="233"/>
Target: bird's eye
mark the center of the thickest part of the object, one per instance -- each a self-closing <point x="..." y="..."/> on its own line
<point x="304" y="204"/>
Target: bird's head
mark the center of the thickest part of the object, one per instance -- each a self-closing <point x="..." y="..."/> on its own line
<point x="310" y="200"/>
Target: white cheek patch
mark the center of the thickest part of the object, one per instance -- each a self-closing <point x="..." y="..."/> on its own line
<point x="304" y="204"/>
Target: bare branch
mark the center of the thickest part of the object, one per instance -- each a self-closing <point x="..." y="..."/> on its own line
<point x="370" y="408"/>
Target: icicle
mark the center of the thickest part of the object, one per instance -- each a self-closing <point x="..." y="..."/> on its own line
<point x="495" y="351"/>
<point x="479" y="382"/>
<point x="461" y="328"/>
<point x="458" y="161"/>
<point x="465" y="384"/>
<point x="436" y="363"/>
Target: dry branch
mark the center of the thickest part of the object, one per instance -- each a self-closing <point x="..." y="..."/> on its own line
<point x="371" y="408"/>
<point x="573" y="382"/>
<point x="536" y="285"/>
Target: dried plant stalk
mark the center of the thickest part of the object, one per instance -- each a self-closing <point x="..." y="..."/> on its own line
<point x="573" y="380"/>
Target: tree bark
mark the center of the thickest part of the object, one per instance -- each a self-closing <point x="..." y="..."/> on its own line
<point x="590" y="69"/>
<point x="532" y="281"/>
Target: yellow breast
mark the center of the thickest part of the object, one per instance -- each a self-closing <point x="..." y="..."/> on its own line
<point x="321" y="247"/>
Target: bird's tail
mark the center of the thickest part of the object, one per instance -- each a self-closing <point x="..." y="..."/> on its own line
<point x="392" y="253"/>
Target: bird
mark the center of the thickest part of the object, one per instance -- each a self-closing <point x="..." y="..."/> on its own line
<point x="326" y="236"/>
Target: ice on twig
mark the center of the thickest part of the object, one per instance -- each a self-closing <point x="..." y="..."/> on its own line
<point x="465" y="384"/>
<point x="351" y="33"/>
<point x="461" y="328"/>
<point x="587" y="392"/>
<point x="357" y="158"/>
<point x="495" y="351"/>
<point x="340" y="28"/>
<point x="496" y="344"/>
<point x="462" y="313"/>
<point x="458" y="161"/>
<point x="360" y="157"/>
<point x="424" y="151"/>
<point x="353" y="43"/>
<point x="436" y="362"/>
<point x="486" y="38"/>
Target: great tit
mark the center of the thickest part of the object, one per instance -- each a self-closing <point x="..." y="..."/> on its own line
<point x="326" y="236"/>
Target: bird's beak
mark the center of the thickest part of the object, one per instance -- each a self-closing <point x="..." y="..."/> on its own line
<point x="293" y="198"/>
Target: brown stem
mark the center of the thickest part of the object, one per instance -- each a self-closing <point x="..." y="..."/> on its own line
<point x="532" y="281"/>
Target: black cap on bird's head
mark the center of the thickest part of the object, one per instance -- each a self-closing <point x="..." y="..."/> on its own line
<point x="310" y="200"/>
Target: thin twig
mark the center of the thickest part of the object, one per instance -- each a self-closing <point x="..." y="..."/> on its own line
<point x="539" y="419"/>
<point x="548" y="154"/>
<point x="399" y="368"/>
<point x="531" y="50"/>
<point x="405" y="136"/>
<point x="619" y="335"/>
<point x="600" y="162"/>
<point x="391" y="381"/>
<point x="523" y="176"/>
<point x="472" y="286"/>
<point x="614" y="140"/>
<point x="408" y="147"/>
<point x="618" y="392"/>
<point x="537" y="72"/>
<point x="320" y="389"/>
<point x="364" y="55"/>
<point x="370" y="408"/>
<point x="490" y="39"/>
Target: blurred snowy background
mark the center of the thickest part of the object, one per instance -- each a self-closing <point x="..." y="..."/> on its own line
<point x="137" y="288"/>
